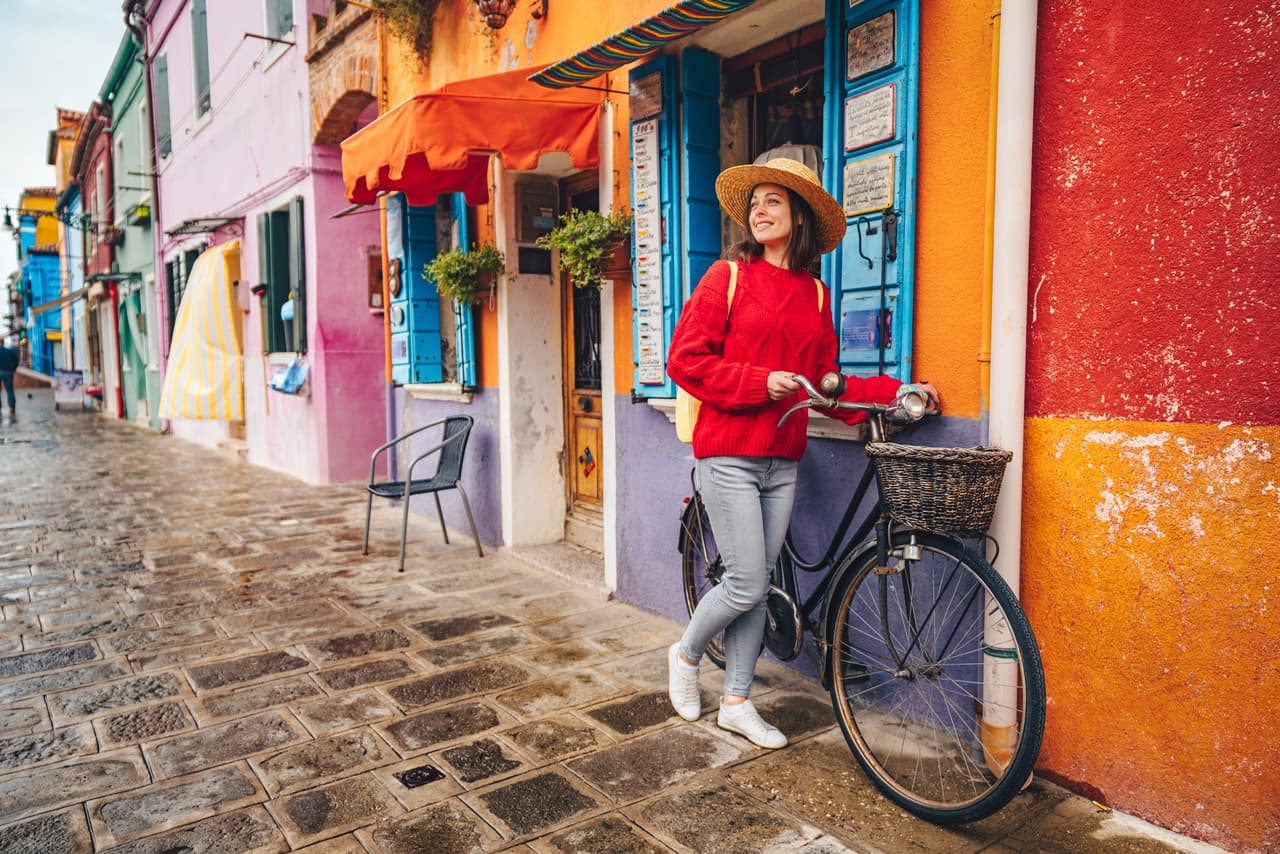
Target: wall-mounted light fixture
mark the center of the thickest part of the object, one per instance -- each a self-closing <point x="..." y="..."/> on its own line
<point x="496" y="12"/>
<point x="539" y="12"/>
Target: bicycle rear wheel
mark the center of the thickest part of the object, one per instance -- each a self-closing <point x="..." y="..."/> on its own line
<point x="936" y="679"/>
<point x="701" y="567"/>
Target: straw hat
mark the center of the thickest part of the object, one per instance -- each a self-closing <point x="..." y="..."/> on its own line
<point x="734" y="186"/>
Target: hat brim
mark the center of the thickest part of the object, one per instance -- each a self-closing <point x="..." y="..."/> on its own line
<point x="734" y="186"/>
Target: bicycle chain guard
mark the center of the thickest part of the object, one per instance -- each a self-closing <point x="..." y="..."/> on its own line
<point x="783" y="632"/>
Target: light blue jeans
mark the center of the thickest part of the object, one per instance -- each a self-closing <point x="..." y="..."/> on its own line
<point x="749" y="502"/>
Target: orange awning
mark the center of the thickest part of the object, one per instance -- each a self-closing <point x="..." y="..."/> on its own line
<point x="440" y="142"/>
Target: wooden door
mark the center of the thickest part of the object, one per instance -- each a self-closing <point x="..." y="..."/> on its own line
<point x="582" y="372"/>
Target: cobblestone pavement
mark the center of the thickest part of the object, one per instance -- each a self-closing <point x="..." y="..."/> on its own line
<point x="196" y="657"/>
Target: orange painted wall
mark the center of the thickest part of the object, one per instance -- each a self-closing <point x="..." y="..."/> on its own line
<point x="1149" y="569"/>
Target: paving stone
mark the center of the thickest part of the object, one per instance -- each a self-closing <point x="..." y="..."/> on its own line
<point x="71" y="678"/>
<point x="22" y="795"/>
<point x="90" y="702"/>
<point x="446" y="827"/>
<point x="37" y="748"/>
<point x="302" y="633"/>
<point x="78" y="588"/>
<point x="796" y="714"/>
<point x="442" y="725"/>
<point x="159" y="638"/>
<point x="96" y="629"/>
<point x="640" y="767"/>
<point x="631" y="638"/>
<point x="560" y="692"/>
<point x="710" y="821"/>
<point x="302" y="612"/>
<point x="369" y="673"/>
<point x="25" y="716"/>
<point x="635" y="713"/>
<point x="46" y="659"/>
<point x="453" y="684"/>
<point x="272" y="560"/>
<point x="554" y="738"/>
<point x="347" y="844"/>
<point x="54" y="833"/>
<point x="255" y="698"/>
<point x="471" y="649"/>
<point x="215" y="745"/>
<point x="480" y="760"/>
<point x="143" y="724"/>
<point x="123" y="818"/>
<point x="448" y="628"/>
<point x="601" y="618"/>
<point x="343" y="754"/>
<point x="333" y="809"/>
<point x="82" y="615"/>
<point x="532" y="804"/>
<point x="542" y="608"/>
<point x="610" y="833"/>
<point x="358" y="645"/>
<point x="197" y="652"/>
<point x="325" y="717"/>
<point x="249" y="831"/>
<point x="238" y="670"/>
<point x="562" y="656"/>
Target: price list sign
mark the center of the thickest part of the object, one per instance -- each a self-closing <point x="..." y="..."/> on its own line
<point x="648" y="283"/>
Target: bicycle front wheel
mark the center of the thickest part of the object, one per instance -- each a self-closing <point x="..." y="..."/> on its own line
<point x="936" y="679"/>
<point x="701" y="566"/>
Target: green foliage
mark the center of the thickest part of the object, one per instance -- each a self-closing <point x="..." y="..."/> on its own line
<point x="410" y="20"/>
<point x="457" y="274"/>
<point x="586" y="239"/>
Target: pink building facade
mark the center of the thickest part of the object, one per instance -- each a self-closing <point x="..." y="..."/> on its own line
<point x="235" y="158"/>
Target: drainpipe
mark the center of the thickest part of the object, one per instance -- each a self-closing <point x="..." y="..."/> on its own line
<point x="1011" y="233"/>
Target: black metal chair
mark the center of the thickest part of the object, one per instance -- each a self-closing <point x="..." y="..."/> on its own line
<point x="452" y="448"/>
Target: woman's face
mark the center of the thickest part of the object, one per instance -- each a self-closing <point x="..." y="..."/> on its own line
<point x="769" y="215"/>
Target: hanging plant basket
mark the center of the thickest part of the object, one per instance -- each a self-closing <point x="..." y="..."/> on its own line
<point x="590" y="244"/>
<point x="616" y="263"/>
<point x="466" y="276"/>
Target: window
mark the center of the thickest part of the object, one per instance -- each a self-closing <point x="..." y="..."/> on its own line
<point x="99" y="200"/>
<point x="429" y="344"/>
<point x="279" y="18"/>
<point x="119" y="159"/>
<point x="177" y="270"/>
<point x="200" y="54"/>
<point x="281" y="267"/>
<point x="843" y="102"/>
<point x="164" y="138"/>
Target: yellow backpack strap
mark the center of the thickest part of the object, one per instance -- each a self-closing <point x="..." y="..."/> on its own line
<point x="818" y="284"/>
<point x="733" y="285"/>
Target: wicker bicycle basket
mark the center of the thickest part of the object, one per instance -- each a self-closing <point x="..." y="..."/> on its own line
<point x="950" y="490"/>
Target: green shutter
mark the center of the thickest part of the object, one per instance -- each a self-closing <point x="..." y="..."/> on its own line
<point x="200" y="51"/>
<point x="164" y="137"/>
<point x="298" y="274"/>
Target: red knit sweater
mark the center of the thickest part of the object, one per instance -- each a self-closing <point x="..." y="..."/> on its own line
<point x="723" y="355"/>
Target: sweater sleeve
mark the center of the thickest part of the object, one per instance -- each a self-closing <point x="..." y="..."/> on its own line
<point x="881" y="389"/>
<point x="696" y="361"/>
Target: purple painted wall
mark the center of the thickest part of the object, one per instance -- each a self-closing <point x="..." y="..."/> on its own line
<point x="249" y="154"/>
<point x="480" y="475"/>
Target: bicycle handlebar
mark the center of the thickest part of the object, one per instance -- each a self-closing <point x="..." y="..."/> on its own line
<point x="911" y="404"/>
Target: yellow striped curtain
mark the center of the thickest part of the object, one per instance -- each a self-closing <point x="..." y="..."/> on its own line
<point x="204" y="371"/>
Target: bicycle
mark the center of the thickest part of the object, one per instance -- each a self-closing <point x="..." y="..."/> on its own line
<point x="934" y="673"/>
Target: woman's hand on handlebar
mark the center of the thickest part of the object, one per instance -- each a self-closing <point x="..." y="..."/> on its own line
<point x="782" y="385"/>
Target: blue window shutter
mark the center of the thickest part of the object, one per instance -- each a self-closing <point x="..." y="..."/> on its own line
<point x="700" y="163"/>
<point x="423" y="307"/>
<point x="874" y="302"/>
<point x="464" y="341"/>
<point x="671" y="238"/>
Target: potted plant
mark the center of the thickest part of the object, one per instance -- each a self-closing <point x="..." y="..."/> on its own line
<point x="587" y="241"/>
<point x="465" y="276"/>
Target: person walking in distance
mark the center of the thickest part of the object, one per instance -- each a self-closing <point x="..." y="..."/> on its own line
<point x="751" y="324"/>
<point x="8" y="367"/>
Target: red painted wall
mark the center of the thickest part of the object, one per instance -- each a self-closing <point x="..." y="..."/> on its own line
<point x="1155" y="266"/>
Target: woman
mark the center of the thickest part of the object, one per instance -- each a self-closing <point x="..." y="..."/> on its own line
<point x="739" y="358"/>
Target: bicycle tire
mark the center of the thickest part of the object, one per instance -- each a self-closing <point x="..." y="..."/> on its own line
<point x="700" y="565"/>
<point x="908" y="690"/>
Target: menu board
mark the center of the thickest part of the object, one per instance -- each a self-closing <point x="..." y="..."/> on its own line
<point x="868" y="184"/>
<point x="646" y="204"/>
<point x="870" y="117"/>
<point x="871" y="46"/>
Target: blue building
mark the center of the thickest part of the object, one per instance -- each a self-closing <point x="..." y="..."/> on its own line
<point x="40" y="270"/>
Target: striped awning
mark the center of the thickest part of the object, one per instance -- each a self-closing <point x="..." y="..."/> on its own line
<point x="637" y="41"/>
<point x="203" y="377"/>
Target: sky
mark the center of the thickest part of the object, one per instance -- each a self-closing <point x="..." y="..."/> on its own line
<point x="53" y="53"/>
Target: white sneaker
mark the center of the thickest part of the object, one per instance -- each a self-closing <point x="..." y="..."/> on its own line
<point x="745" y="720"/>
<point x="682" y="685"/>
